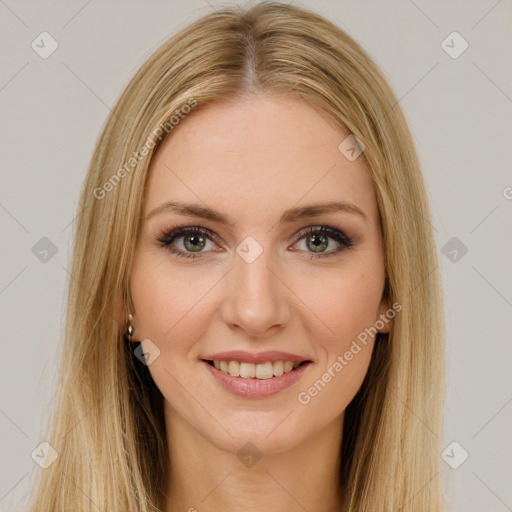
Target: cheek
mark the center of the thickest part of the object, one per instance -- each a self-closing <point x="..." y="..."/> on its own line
<point x="348" y="309"/>
<point x="168" y="303"/>
<point x="333" y="387"/>
<point x="342" y="306"/>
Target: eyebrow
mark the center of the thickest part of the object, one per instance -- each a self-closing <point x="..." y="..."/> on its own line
<point x="291" y="215"/>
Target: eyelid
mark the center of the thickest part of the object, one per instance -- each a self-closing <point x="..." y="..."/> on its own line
<point x="337" y="234"/>
<point x="178" y="231"/>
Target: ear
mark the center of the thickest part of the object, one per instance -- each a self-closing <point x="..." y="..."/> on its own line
<point x="382" y="318"/>
<point x="121" y="313"/>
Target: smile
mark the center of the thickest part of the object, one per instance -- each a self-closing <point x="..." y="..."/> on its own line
<point x="262" y="371"/>
<point x="255" y="380"/>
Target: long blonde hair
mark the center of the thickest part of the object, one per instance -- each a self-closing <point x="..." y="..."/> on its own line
<point x="107" y="424"/>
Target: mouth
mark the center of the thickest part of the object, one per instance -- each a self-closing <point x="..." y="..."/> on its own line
<point x="256" y="379"/>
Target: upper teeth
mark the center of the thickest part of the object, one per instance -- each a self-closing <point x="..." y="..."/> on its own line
<point x="259" y="371"/>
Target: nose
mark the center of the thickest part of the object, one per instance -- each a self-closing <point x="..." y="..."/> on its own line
<point x="256" y="299"/>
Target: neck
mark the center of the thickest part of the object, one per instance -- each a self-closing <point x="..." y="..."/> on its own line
<point x="206" y="478"/>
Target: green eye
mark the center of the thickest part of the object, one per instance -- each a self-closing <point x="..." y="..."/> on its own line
<point x="195" y="239"/>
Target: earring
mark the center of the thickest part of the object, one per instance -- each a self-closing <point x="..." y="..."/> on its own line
<point x="130" y="330"/>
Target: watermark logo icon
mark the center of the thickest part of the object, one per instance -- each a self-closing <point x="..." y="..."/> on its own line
<point x="454" y="45"/>
<point x="44" y="250"/>
<point x="147" y="352"/>
<point x="44" y="45"/>
<point x="454" y="249"/>
<point x="249" y="250"/>
<point x="454" y="455"/>
<point x="44" y="455"/>
<point x="249" y="455"/>
<point x="351" y="148"/>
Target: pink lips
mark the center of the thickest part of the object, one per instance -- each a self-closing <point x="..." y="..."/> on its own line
<point x="256" y="388"/>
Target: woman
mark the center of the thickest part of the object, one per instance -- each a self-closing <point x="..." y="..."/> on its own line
<point x="254" y="319"/>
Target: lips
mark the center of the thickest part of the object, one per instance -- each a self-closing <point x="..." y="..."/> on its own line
<point x="256" y="375"/>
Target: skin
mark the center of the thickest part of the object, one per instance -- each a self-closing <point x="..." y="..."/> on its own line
<point x="251" y="159"/>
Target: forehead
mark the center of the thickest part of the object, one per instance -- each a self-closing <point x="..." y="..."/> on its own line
<point x="256" y="157"/>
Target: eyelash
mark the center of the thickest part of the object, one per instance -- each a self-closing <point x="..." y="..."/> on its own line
<point x="166" y="238"/>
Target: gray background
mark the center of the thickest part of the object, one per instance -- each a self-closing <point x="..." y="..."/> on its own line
<point x="458" y="109"/>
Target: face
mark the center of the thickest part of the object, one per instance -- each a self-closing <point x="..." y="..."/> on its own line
<point x="244" y="277"/>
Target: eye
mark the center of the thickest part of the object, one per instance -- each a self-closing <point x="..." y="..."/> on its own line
<point x="193" y="239"/>
<point x="316" y="240"/>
